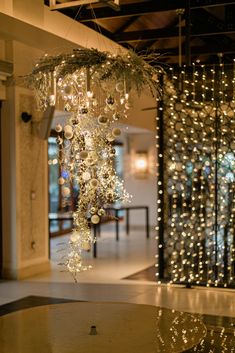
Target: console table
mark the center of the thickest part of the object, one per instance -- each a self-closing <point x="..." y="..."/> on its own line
<point x="97" y="227"/>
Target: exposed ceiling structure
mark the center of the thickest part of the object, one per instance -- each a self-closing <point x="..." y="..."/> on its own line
<point x="205" y="28"/>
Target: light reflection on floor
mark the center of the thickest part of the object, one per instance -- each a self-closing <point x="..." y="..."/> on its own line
<point x="104" y="283"/>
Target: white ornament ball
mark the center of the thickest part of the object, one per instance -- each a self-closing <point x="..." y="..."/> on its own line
<point x="95" y="219"/>
<point x="83" y="154"/>
<point x="61" y="181"/>
<point x="86" y="176"/>
<point x="65" y="191"/>
<point x="116" y="132"/>
<point x="58" y="128"/>
<point x="110" y="138"/>
<point x="86" y="245"/>
<point x="89" y="141"/>
<point x="95" y="103"/>
<point x="68" y="128"/>
<point x="68" y="135"/>
<point x="74" y="237"/>
<point x="128" y="105"/>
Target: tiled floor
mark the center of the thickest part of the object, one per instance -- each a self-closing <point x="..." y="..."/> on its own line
<point x="115" y="260"/>
<point x="104" y="282"/>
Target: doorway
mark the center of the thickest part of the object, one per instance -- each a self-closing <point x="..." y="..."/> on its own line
<point x="1" y="246"/>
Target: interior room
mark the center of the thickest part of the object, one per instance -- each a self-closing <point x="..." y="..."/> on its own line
<point x="117" y="176"/>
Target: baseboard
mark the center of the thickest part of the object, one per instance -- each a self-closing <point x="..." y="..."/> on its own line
<point x="25" y="272"/>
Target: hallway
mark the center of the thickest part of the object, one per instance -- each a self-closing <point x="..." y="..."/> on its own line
<point x="115" y="261"/>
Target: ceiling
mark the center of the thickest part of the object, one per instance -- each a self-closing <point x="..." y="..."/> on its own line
<point x="207" y="26"/>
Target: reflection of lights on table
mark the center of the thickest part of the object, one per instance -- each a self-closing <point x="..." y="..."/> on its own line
<point x="99" y="327"/>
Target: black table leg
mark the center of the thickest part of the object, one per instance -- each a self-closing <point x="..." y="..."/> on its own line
<point x="117" y="225"/>
<point x="49" y="238"/>
<point x="147" y="222"/>
<point x="98" y="230"/>
<point x="127" y="221"/>
<point x="95" y="242"/>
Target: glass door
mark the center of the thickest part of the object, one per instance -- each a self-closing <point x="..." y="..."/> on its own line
<point x="60" y="203"/>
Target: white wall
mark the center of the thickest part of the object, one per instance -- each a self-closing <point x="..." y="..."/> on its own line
<point x="144" y="191"/>
<point x="24" y="170"/>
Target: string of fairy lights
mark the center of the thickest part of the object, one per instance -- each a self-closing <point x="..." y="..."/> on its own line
<point x="198" y="114"/>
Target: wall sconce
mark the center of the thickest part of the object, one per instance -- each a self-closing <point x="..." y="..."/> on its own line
<point x="26" y="117"/>
<point x="141" y="165"/>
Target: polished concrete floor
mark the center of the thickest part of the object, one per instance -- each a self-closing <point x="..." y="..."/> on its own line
<point x="99" y="328"/>
<point x="105" y="281"/>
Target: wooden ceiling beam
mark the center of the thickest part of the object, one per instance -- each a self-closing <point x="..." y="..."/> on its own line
<point x="202" y="20"/>
<point x="143" y="8"/>
<point x="127" y="24"/>
<point x="198" y="50"/>
<point x="96" y="27"/>
<point x="163" y="33"/>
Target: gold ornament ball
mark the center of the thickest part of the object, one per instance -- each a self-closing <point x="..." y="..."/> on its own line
<point x="102" y="119"/>
<point x="93" y="155"/>
<point x="101" y="212"/>
<point x="61" y="181"/>
<point x="119" y="87"/>
<point x="94" y="183"/>
<point x="95" y="219"/>
<point x="116" y="132"/>
<point x="93" y="210"/>
<point x="67" y="90"/>
<point x="89" y="161"/>
<point x="83" y="154"/>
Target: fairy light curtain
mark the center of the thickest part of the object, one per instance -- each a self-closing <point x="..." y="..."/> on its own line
<point x="196" y="180"/>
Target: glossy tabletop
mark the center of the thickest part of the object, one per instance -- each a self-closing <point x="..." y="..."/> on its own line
<point x="120" y="327"/>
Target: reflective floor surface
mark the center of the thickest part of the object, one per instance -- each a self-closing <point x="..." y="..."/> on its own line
<point x="99" y="328"/>
<point x="105" y="283"/>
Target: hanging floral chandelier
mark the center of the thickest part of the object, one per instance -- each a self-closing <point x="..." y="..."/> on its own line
<point x="95" y="88"/>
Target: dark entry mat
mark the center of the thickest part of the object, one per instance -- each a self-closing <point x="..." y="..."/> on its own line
<point x="30" y="302"/>
<point x="148" y="274"/>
